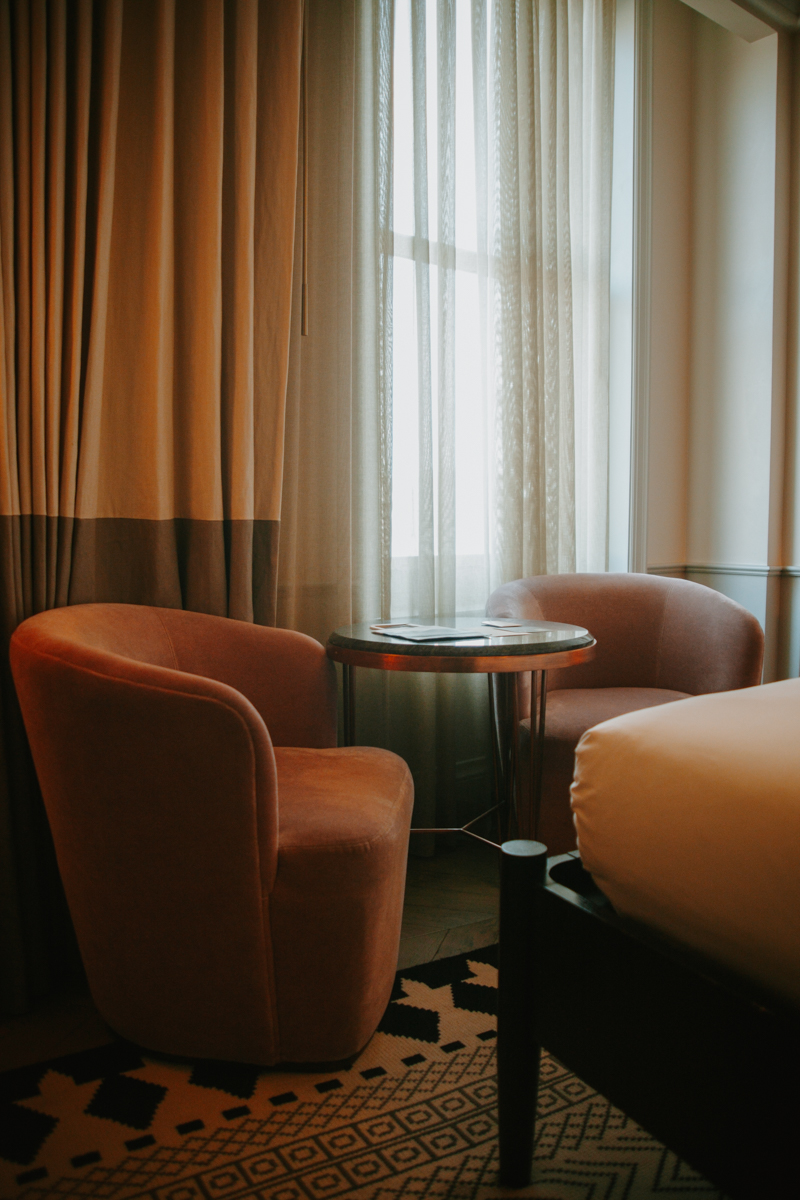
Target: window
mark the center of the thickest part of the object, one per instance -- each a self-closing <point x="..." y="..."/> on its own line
<point x="500" y="241"/>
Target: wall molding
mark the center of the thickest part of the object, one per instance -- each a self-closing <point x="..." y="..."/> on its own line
<point x="779" y="16"/>
<point x="734" y="17"/>
<point x="676" y="570"/>
<point x="755" y="571"/>
<point x="642" y="254"/>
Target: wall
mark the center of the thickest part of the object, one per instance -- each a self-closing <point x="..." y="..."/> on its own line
<point x="733" y="249"/>
<point x="620" y="289"/>
<point x="789" y="582"/>
<point x="671" y="262"/>
<point x="717" y="490"/>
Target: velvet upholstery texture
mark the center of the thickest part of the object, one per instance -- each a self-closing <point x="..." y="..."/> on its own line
<point x="658" y="640"/>
<point x="235" y="880"/>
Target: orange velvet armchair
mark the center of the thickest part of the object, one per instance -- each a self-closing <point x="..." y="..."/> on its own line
<point x="658" y="640"/>
<point x="235" y="880"/>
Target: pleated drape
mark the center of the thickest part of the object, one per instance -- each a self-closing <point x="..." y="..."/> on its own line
<point x="525" y="269"/>
<point x="148" y="168"/>
<point x="540" y="126"/>
<point x="335" y="559"/>
<point x="509" y="233"/>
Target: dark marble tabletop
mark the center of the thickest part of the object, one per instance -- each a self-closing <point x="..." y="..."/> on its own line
<point x="534" y="637"/>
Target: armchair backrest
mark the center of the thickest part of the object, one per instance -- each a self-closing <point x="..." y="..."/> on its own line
<point x="651" y="631"/>
<point x="161" y="792"/>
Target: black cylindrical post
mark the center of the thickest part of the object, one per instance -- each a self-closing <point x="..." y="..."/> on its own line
<point x="523" y="866"/>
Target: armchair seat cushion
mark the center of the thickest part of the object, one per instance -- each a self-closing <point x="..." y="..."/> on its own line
<point x="343" y="822"/>
<point x="357" y="788"/>
<point x="571" y="711"/>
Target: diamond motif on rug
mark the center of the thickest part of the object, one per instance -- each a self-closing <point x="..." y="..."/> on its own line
<point x="127" y="1101"/>
<point x="406" y="1021"/>
<point x="475" y="997"/>
<point x="23" y="1133"/>
<point x="237" y="1079"/>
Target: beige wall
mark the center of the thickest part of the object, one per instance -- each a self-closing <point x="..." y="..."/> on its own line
<point x="722" y="508"/>
<point x="671" y="308"/>
<point x="789" y="636"/>
<point x="733" y="263"/>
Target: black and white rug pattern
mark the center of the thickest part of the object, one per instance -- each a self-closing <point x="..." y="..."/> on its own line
<point x="414" y="1116"/>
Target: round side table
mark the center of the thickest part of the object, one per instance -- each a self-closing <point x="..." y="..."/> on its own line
<point x="538" y="647"/>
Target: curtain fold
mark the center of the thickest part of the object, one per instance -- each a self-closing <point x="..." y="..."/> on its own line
<point x="335" y="555"/>
<point x="507" y="223"/>
<point x="506" y="333"/>
<point x="335" y="558"/>
<point x="495" y="249"/>
<point x="148" y="163"/>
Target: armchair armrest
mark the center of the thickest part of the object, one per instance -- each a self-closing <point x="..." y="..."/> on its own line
<point x="286" y="676"/>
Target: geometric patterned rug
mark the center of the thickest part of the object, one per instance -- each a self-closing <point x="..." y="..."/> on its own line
<point x="413" y="1117"/>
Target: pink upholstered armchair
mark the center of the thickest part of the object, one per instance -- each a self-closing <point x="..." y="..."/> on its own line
<point x="235" y="881"/>
<point x="657" y="640"/>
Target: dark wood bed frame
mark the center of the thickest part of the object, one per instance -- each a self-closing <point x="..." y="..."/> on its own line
<point x="699" y="1058"/>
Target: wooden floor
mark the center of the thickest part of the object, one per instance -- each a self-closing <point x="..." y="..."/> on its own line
<point x="451" y="906"/>
<point x="452" y="903"/>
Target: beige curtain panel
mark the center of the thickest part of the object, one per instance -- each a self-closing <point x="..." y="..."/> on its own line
<point x="148" y="168"/>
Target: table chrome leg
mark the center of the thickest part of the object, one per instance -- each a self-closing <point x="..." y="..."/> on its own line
<point x="513" y="748"/>
<point x="538" y="712"/>
<point x="497" y="770"/>
<point x="504" y="717"/>
<point x="349" y="703"/>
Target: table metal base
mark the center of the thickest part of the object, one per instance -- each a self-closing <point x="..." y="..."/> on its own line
<point x="517" y="817"/>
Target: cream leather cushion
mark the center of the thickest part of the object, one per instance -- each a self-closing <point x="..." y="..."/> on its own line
<point x="688" y="817"/>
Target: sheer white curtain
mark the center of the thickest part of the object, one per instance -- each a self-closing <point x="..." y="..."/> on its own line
<point x="335" y="551"/>
<point x="447" y="412"/>
<point x="503" y="115"/>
